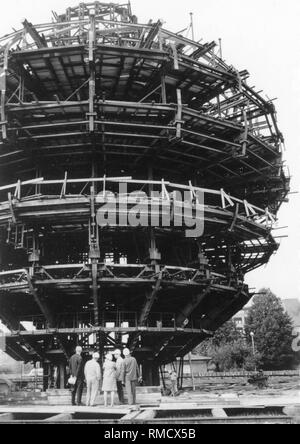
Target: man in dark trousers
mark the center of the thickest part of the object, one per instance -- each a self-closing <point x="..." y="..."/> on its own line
<point x="120" y="374"/>
<point x="131" y="376"/>
<point x="77" y="371"/>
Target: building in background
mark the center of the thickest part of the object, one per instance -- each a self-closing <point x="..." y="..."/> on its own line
<point x="196" y="365"/>
<point x="292" y="307"/>
<point x="240" y="319"/>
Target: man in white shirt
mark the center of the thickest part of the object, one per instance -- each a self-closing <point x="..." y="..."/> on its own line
<point x="120" y="375"/>
<point x="92" y="373"/>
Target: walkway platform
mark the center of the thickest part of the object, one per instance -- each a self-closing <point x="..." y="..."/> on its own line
<point x="192" y="409"/>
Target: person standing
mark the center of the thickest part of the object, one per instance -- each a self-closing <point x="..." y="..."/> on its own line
<point x="92" y="373"/>
<point x="109" y="379"/>
<point x="77" y="372"/>
<point x="120" y="375"/>
<point x="131" y="376"/>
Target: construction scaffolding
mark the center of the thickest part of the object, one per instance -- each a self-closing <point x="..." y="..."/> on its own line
<point x="94" y="101"/>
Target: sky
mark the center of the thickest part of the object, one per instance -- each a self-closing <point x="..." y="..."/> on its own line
<point x="262" y="36"/>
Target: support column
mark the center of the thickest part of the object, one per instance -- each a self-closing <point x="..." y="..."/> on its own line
<point x="62" y="374"/>
<point x="155" y="255"/>
<point x="92" y="81"/>
<point x="184" y="316"/>
<point x="34" y="251"/>
<point x="150" y="372"/>
<point x="179" y="121"/>
<point x="180" y="373"/>
<point x="95" y="258"/>
<point x="46" y="369"/>
<point x="163" y="88"/>
<point x="41" y="300"/>
<point x="2" y="102"/>
<point x="42" y="303"/>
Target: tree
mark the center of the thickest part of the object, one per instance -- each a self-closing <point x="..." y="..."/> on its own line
<point x="272" y="328"/>
<point x="237" y="355"/>
<point x="227" y="334"/>
<point x="229" y="350"/>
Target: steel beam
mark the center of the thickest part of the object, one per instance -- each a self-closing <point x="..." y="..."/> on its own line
<point x="150" y="299"/>
<point x="9" y="319"/>
<point x="3" y="86"/>
<point x="42" y="304"/>
<point x="36" y="37"/>
<point x="183" y="317"/>
<point x="92" y="81"/>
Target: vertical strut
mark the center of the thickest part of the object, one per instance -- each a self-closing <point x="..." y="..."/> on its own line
<point x="192" y="26"/>
<point x="179" y="114"/>
<point x="2" y="102"/>
<point x="180" y="373"/>
<point x="92" y="81"/>
<point x="95" y="257"/>
<point x="163" y="88"/>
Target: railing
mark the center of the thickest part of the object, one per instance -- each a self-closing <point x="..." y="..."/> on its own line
<point x="118" y="271"/>
<point x="13" y="278"/>
<point x="124" y="33"/>
<point x="107" y="319"/>
<point x="79" y="272"/>
<point x="165" y="192"/>
<point x="28" y="383"/>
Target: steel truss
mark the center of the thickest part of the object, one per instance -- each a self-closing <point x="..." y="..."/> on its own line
<point x="94" y="101"/>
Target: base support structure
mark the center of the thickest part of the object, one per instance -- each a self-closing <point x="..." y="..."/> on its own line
<point x="150" y="373"/>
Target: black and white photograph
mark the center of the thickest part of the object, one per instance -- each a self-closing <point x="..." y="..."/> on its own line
<point x="149" y="215"/>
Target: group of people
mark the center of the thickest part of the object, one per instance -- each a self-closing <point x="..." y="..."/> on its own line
<point x="118" y="373"/>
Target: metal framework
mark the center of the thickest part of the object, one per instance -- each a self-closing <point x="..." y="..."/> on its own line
<point x="94" y="100"/>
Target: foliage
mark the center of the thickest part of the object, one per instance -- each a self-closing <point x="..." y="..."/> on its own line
<point x="229" y="350"/>
<point x="272" y="328"/>
<point x="235" y="356"/>
<point x="227" y="334"/>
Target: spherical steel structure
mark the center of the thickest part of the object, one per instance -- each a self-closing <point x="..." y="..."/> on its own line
<point x="97" y="110"/>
